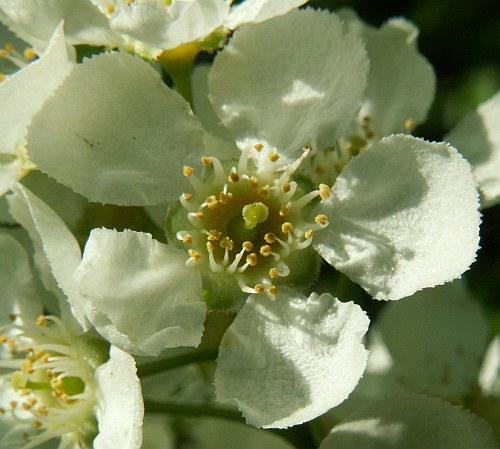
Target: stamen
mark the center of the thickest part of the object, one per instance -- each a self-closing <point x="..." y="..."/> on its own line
<point x="259" y="288"/>
<point x="321" y="219"/>
<point x="272" y="290"/>
<point x="324" y="191"/>
<point x="273" y="156"/>
<point x="233" y="176"/>
<point x="286" y="227"/>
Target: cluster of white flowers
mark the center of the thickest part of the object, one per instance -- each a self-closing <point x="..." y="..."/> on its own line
<point x="292" y="151"/>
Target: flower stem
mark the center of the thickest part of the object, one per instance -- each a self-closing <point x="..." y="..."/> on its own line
<point x="157" y="366"/>
<point x="298" y="436"/>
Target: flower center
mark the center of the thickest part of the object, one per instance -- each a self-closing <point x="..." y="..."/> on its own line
<point x="249" y="221"/>
<point x="51" y="376"/>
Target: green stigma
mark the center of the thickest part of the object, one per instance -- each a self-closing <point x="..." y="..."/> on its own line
<point x="253" y="214"/>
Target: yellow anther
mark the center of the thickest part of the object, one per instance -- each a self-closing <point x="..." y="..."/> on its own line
<point x="205" y="160"/>
<point x="56" y="383"/>
<point x="186" y="196"/>
<point x="226" y="243"/>
<point x="270" y="237"/>
<point x="3" y="338"/>
<point x="211" y="201"/>
<point x="308" y="234"/>
<point x="2" y="76"/>
<point x="252" y="259"/>
<point x="8" y="47"/>
<point x="273" y="273"/>
<point x="2" y="411"/>
<point x="273" y="156"/>
<point x="324" y="191"/>
<point x="12" y="316"/>
<point x="187" y="170"/>
<point x="39" y="353"/>
<point x="187" y="239"/>
<point x="37" y="424"/>
<point x="285" y="187"/>
<point x="42" y="410"/>
<point x="110" y="9"/>
<point x="13" y="404"/>
<point x="32" y="401"/>
<point x="233" y="177"/>
<point x="264" y="192"/>
<point x="199" y="215"/>
<point x="408" y="124"/>
<point x="321" y="219"/>
<point x="258" y="146"/>
<point x="259" y="288"/>
<point x="29" y="54"/>
<point x="24" y="392"/>
<point x="25" y="406"/>
<point x="247" y="246"/>
<point x="210" y="247"/>
<point x="25" y="436"/>
<point x="195" y="255"/>
<point x="283" y="211"/>
<point x="265" y="250"/>
<point x="253" y="182"/>
<point x="225" y="197"/>
<point x="286" y="227"/>
<point x="213" y="235"/>
<point x="50" y="373"/>
<point x="41" y="320"/>
<point x="272" y="290"/>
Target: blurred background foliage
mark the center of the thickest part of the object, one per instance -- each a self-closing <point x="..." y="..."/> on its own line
<point x="461" y="39"/>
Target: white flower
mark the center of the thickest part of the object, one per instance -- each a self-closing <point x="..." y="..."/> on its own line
<point x="146" y="27"/>
<point x="478" y="138"/>
<point x="58" y="384"/>
<point x="412" y="422"/>
<point x="434" y="343"/>
<point x="400" y="217"/>
<point x="21" y="95"/>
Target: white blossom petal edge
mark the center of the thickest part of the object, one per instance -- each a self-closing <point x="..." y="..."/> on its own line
<point x="286" y="361"/>
<point x="138" y="292"/>
<point x="398" y="211"/>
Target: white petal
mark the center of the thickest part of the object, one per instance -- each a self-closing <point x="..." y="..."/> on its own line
<point x="401" y="82"/>
<point x="410" y="422"/>
<point x="115" y="133"/>
<point x="57" y="253"/>
<point x="256" y="11"/>
<point x="168" y="27"/>
<point x="138" y="293"/>
<point x="403" y="216"/>
<point x="17" y="294"/>
<point x="22" y="94"/>
<point x="489" y="376"/>
<point x="63" y="201"/>
<point x="288" y="360"/>
<point x="477" y="137"/>
<point x="120" y="406"/>
<point x="34" y="21"/>
<point x="436" y="339"/>
<point x="294" y="80"/>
